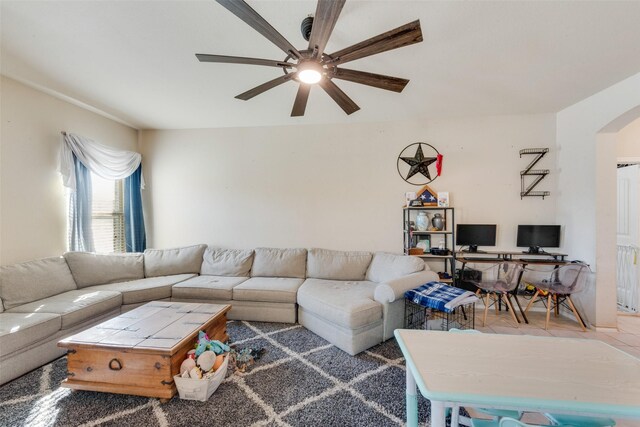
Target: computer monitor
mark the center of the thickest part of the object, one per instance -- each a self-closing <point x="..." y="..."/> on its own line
<point x="537" y="237"/>
<point x="474" y="235"/>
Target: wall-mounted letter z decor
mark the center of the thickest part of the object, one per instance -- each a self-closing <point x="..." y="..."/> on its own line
<point x="538" y="174"/>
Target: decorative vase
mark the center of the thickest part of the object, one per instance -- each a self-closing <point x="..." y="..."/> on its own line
<point x="422" y="221"/>
<point x="438" y="222"/>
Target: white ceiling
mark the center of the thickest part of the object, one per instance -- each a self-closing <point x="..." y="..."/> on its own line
<point x="135" y="59"/>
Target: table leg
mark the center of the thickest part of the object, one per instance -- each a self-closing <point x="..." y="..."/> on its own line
<point x="437" y="414"/>
<point x="412" y="400"/>
<point x="515" y="295"/>
<point x="524" y="316"/>
<point x="455" y="416"/>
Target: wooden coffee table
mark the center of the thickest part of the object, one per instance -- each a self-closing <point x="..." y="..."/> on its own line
<point x="140" y="351"/>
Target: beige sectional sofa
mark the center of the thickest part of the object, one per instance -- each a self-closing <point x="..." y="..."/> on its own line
<point x="352" y="299"/>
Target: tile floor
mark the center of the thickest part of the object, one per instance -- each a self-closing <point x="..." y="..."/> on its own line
<point x="627" y="338"/>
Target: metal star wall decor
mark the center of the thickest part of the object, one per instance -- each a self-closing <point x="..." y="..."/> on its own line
<point x="418" y="165"/>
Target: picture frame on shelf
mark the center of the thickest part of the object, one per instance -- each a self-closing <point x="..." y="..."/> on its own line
<point x="428" y="196"/>
<point x="408" y="197"/>
<point x="443" y="199"/>
<point x="424" y="242"/>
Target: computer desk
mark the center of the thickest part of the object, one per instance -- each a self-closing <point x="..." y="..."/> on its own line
<point x="524" y="258"/>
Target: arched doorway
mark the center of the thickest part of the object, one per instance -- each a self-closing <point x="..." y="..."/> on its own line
<point x="606" y="217"/>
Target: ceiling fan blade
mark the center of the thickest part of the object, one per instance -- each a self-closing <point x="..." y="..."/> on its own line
<point x="339" y="96"/>
<point x="327" y="13"/>
<point x="402" y="36"/>
<point x="264" y="87"/>
<point x="395" y="84"/>
<point x="203" y="57"/>
<point x="300" y="104"/>
<point x="245" y="12"/>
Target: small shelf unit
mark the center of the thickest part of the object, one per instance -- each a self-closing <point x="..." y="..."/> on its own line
<point x="446" y="237"/>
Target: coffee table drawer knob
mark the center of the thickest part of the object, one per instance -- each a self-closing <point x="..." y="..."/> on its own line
<point x="115" y="365"/>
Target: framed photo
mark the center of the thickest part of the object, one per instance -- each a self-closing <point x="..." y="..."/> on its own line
<point x="408" y="197"/>
<point x="443" y="199"/>
<point x="424" y="242"/>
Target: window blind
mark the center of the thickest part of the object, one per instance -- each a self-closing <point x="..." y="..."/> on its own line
<point x="107" y="215"/>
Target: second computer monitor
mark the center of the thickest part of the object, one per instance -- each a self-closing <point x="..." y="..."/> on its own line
<point x="537" y="237"/>
<point x="474" y="235"/>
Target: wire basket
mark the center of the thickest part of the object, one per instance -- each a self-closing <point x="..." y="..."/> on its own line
<point x="419" y="317"/>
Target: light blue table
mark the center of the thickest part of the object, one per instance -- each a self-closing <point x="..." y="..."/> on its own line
<point x="529" y="373"/>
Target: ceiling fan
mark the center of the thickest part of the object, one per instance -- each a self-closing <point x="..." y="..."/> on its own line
<point x="313" y="65"/>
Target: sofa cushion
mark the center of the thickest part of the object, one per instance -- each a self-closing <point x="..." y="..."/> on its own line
<point x="30" y="281"/>
<point x="76" y="306"/>
<point x="273" y="262"/>
<point x="268" y="289"/>
<point x="167" y="262"/>
<point x="348" y="304"/>
<point x="90" y="269"/>
<point x="144" y="290"/>
<point x="227" y="262"/>
<point x="20" y="330"/>
<point x="207" y="288"/>
<point x="337" y="265"/>
<point x="386" y="266"/>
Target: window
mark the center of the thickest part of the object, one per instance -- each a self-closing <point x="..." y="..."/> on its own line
<point x="107" y="214"/>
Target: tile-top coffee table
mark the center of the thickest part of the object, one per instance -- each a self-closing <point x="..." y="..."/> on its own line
<point x="140" y="351"/>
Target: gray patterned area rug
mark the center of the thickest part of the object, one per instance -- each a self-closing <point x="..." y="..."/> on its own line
<point x="301" y="380"/>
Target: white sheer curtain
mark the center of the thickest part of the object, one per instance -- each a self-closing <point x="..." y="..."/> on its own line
<point x="107" y="162"/>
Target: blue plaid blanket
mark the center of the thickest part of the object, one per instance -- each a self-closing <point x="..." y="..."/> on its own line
<point x="440" y="296"/>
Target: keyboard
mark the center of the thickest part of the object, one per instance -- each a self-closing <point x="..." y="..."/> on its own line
<point x="482" y="259"/>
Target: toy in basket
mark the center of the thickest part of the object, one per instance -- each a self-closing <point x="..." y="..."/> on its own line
<point x="203" y="370"/>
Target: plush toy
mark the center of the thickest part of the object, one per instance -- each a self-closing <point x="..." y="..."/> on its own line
<point x="241" y="360"/>
<point x="204" y="343"/>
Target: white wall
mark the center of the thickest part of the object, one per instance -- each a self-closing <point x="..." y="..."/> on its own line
<point x="334" y="186"/>
<point x="32" y="199"/>
<point x="586" y="188"/>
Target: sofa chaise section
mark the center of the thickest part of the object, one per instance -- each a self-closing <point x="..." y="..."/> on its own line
<point x="350" y="298"/>
<point x="342" y="312"/>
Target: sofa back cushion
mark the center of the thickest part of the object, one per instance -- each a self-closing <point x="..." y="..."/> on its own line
<point x="337" y="265"/>
<point x="89" y="269"/>
<point x="386" y="266"/>
<point x="273" y="262"/>
<point x="30" y="281"/>
<point x="227" y="262"/>
<point x="167" y="262"/>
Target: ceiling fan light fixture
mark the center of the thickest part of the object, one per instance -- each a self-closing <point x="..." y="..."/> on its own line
<point x="309" y="72"/>
<point x="309" y="76"/>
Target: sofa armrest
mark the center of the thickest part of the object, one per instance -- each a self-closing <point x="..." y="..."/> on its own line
<point x="393" y="290"/>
